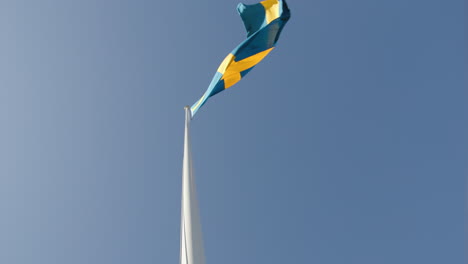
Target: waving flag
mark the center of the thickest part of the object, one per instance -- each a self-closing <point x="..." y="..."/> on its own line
<point x="263" y="22"/>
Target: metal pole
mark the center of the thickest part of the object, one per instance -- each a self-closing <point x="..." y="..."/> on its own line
<point x="191" y="238"/>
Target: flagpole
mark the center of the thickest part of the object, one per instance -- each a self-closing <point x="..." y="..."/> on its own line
<point x="191" y="238"/>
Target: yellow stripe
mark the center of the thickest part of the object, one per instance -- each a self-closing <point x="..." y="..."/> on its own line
<point x="231" y="69"/>
<point x="222" y="68"/>
<point x="195" y="107"/>
<point x="271" y="10"/>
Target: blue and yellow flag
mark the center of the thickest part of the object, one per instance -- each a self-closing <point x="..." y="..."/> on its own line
<point x="263" y="22"/>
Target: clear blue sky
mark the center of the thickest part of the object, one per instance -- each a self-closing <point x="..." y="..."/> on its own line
<point x="346" y="145"/>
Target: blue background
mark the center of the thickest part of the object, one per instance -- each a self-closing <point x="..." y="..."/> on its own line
<point x="346" y="145"/>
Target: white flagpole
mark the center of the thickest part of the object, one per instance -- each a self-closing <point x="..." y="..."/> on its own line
<point x="191" y="239"/>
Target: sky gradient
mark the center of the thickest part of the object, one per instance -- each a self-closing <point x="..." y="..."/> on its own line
<point x="347" y="144"/>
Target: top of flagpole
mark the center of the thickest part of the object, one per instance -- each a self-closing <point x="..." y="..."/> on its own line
<point x="188" y="113"/>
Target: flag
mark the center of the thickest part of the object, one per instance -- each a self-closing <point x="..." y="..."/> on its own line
<point x="263" y="22"/>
